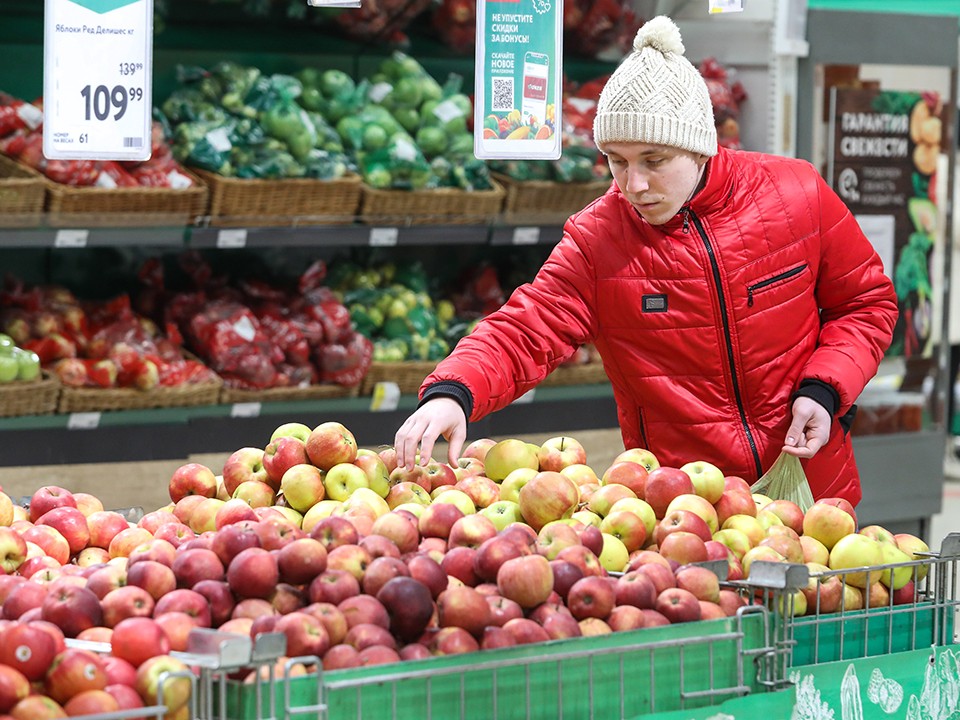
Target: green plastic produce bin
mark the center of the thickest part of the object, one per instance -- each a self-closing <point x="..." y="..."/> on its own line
<point x="617" y="675"/>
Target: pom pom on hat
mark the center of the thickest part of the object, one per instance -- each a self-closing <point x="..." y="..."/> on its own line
<point x="661" y="34"/>
<point x="656" y="96"/>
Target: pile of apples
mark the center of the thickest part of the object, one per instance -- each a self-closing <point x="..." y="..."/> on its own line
<point x="358" y="561"/>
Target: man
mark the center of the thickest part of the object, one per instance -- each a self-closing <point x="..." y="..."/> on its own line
<point x="737" y="306"/>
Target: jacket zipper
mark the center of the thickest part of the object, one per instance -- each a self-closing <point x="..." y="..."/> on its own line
<point x="643" y="428"/>
<point x="726" y="333"/>
<point x="770" y="281"/>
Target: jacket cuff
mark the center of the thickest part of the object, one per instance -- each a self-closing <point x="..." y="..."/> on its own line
<point x="820" y="392"/>
<point x="451" y="389"/>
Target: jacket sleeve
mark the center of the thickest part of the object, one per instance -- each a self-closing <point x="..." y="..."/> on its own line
<point x="540" y="326"/>
<point x="857" y="302"/>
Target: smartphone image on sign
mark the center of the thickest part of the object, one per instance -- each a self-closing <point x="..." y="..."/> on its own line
<point x="534" y="97"/>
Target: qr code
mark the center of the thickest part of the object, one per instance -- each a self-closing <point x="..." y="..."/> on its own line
<point x="502" y="94"/>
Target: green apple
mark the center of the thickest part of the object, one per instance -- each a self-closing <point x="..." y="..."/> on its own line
<point x="514" y="481"/>
<point x="896" y="577"/>
<point x="458" y="498"/>
<point x="318" y="512"/>
<point x="7" y="345"/>
<point x="588" y="517"/>
<point x="508" y="455"/>
<point x="292" y="429"/>
<point x="28" y="365"/>
<point x="854" y="551"/>
<point x="342" y="479"/>
<point x="9" y="368"/>
<point x="502" y="513"/>
<point x="707" y="479"/>
<point x="614" y="555"/>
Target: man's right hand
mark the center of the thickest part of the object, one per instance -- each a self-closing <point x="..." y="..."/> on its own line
<point x="436" y="417"/>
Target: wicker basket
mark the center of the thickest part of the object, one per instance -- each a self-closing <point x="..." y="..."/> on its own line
<point x="22" y="193"/>
<point x="440" y="206"/>
<point x="229" y="396"/>
<point x="69" y="206"/>
<point x="541" y="202"/>
<point x="236" y="202"/>
<point x="407" y="375"/>
<point x="581" y="374"/>
<point x="36" y="397"/>
<point x="103" y="399"/>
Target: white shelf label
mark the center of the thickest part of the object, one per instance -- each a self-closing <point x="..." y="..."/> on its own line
<point x="386" y="396"/>
<point x="245" y="410"/>
<point x="83" y="421"/>
<point x="527" y="397"/>
<point x="97" y="79"/>
<point x="232" y="239"/>
<point x="526" y="235"/>
<point x="71" y="238"/>
<point x="384" y="236"/>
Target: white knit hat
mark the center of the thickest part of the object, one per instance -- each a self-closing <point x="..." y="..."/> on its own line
<point x="656" y="96"/>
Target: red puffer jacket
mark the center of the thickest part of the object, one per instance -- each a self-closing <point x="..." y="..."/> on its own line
<point x="707" y="324"/>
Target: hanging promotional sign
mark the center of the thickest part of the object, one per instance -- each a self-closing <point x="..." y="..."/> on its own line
<point x="97" y="75"/>
<point x="517" y="99"/>
<point x="885" y="148"/>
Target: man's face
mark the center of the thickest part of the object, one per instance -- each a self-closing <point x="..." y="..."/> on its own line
<point x="656" y="179"/>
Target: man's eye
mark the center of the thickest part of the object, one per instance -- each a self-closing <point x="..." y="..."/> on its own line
<point x="656" y="162"/>
<point x="617" y="161"/>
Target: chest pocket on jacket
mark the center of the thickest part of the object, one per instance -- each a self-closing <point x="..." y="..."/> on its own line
<point x="771" y="282"/>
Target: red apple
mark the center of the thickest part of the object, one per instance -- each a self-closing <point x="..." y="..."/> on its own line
<point x="14" y="687"/>
<point x="471" y="531"/>
<point x="428" y="571"/>
<point x="526" y="631"/>
<point x="47" y="498"/>
<point x="683" y="547"/>
<point x="73" y="671"/>
<point x="193" y="565"/>
<point x="71" y="523"/>
<point x="300" y="561"/>
<point x="72" y="609"/>
<point x="559" y="452"/>
<point x="333" y="586"/>
<point x="463" y="607"/>
<point x="591" y="597"/>
<point x="23" y="598"/>
<point x="276" y="532"/>
<point x="678" y="605"/>
<point x="527" y="580"/>
<point x="137" y="639"/>
<point x="282" y="454"/>
<point x="334" y="531"/>
<point x="103" y="525"/>
<point x="396" y="527"/>
<point x="28" y="649"/>
<point x="253" y="573"/>
<point x="154" y="577"/>
<point x="380" y="571"/>
<point x="305" y="634"/>
<point x="629" y="474"/>
<point x="186" y="601"/>
<point x="126" y="602"/>
<point x="329" y="444"/>
<point x="663" y="485"/>
<point x="192" y="479"/>
<point x="437" y="519"/>
<point x="637" y="589"/>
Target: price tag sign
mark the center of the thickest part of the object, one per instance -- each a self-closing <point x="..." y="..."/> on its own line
<point x="245" y="410"/>
<point x="526" y="235"/>
<point x="71" y="238"/>
<point x="97" y="79"/>
<point x="386" y="397"/>
<point x="232" y="239"/>
<point x="83" y="421"/>
<point x="384" y="236"/>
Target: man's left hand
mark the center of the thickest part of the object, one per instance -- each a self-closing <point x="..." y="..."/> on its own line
<point x="809" y="430"/>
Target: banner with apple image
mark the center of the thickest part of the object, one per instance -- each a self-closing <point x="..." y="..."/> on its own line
<point x="885" y="148"/>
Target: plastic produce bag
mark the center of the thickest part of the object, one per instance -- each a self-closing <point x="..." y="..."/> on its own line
<point x="285" y="120"/>
<point x="785" y="480"/>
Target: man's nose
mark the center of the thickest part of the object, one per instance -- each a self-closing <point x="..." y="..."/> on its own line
<point x="637" y="180"/>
